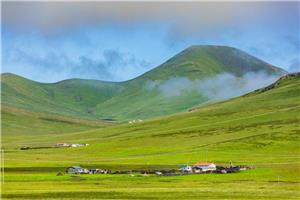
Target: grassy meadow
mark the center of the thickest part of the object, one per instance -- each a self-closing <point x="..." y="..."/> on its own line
<point x="260" y="129"/>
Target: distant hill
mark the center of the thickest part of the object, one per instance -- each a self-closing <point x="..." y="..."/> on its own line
<point x="139" y="98"/>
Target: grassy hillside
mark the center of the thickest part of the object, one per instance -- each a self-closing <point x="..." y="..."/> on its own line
<point x="19" y="124"/>
<point x="71" y="97"/>
<point x="260" y="129"/>
<point x="139" y="98"/>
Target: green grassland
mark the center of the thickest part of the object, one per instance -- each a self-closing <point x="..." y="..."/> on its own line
<point x="92" y="99"/>
<point x="19" y="124"/>
<point x="260" y="129"/>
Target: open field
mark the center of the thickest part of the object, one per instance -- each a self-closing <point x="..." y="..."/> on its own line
<point x="245" y="185"/>
<point x="260" y="129"/>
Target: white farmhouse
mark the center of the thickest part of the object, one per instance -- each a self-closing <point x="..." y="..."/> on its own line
<point x="204" y="166"/>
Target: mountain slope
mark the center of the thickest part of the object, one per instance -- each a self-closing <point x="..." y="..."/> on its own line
<point x="19" y="124"/>
<point x="260" y="127"/>
<point x="139" y="98"/>
<point x="195" y="63"/>
<point x="71" y="97"/>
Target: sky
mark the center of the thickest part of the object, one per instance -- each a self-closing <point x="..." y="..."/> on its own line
<point x="117" y="41"/>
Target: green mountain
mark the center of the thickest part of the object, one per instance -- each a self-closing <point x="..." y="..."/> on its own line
<point x="139" y="98"/>
<point x="207" y="60"/>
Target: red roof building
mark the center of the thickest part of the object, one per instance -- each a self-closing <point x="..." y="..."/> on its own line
<point x="205" y="166"/>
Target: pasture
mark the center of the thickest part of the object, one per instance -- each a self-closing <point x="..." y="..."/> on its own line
<point x="260" y="129"/>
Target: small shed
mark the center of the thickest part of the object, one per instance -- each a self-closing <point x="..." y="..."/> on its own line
<point x="186" y="169"/>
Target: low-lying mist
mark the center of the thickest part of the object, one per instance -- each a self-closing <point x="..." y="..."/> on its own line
<point x="221" y="86"/>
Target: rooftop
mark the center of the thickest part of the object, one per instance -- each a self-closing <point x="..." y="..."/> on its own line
<point x="202" y="164"/>
<point x="76" y="167"/>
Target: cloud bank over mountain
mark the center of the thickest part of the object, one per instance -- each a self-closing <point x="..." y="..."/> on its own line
<point x="218" y="87"/>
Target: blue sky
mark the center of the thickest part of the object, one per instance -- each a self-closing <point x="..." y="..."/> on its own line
<point x="50" y="41"/>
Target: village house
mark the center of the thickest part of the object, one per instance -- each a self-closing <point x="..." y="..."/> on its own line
<point x="186" y="169"/>
<point x="204" y="167"/>
<point x="79" y="145"/>
<point x="77" y="170"/>
<point x="62" y="144"/>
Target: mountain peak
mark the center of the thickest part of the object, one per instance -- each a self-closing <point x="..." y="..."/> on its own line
<point x="208" y="46"/>
<point x="199" y="61"/>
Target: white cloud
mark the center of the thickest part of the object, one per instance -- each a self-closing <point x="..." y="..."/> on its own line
<point x="218" y="87"/>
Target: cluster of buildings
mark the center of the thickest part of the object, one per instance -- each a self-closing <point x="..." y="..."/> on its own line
<point x="199" y="167"/>
<point x="81" y="170"/>
<point x="205" y="167"/>
<point x="57" y="145"/>
<point x="196" y="168"/>
<point x="70" y="145"/>
<point x="135" y="121"/>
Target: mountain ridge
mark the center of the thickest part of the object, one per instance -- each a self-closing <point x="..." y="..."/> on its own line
<point x="191" y="48"/>
<point x="96" y="99"/>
